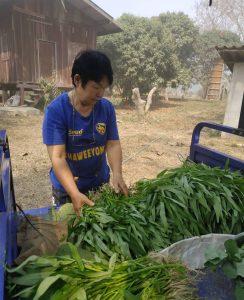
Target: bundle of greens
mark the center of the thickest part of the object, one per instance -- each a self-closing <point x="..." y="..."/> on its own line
<point x="180" y="203"/>
<point x="67" y="276"/>
<point x="193" y="200"/>
<point x="115" y="224"/>
<point x="231" y="261"/>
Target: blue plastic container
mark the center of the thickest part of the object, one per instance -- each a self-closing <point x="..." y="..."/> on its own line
<point x="8" y="216"/>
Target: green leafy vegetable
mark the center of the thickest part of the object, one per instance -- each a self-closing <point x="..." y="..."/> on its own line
<point x="232" y="263"/>
<point x="180" y="203"/>
<point x="143" y="278"/>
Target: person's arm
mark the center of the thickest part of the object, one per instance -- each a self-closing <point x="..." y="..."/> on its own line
<point x="61" y="169"/>
<point x="114" y="154"/>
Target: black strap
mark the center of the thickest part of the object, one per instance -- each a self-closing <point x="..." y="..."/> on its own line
<point x="29" y="221"/>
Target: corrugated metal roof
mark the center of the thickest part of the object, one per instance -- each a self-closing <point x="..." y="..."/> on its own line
<point x="231" y="55"/>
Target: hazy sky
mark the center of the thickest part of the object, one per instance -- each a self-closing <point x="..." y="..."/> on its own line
<point x="145" y="8"/>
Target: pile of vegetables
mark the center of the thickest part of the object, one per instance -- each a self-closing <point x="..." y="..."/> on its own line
<point x="115" y="224"/>
<point x="231" y="261"/>
<point x="194" y="200"/>
<point x="180" y="203"/>
<point x="68" y="276"/>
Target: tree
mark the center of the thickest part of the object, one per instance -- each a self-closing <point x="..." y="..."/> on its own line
<point x="222" y="15"/>
<point x="185" y="34"/>
<point x="206" y="54"/>
<point x="150" y="52"/>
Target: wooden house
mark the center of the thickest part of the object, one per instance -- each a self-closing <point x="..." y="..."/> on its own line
<point x="39" y="38"/>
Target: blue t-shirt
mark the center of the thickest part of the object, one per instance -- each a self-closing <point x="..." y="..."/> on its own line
<point x="84" y="137"/>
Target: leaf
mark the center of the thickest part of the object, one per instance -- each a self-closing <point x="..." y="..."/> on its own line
<point x="104" y="218"/>
<point x="136" y="232"/>
<point x="112" y="262"/>
<point x="31" y="279"/>
<point x="24" y="263"/>
<point x="129" y="296"/>
<point x="232" y="250"/>
<point x="229" y="270"/>
<point x="98" y="229"/>
<point x="162" y="214"/>
<point x="202" y="201"/>
<point x="239" y="290"/>
<point x="214" y="255"/>
<point x="229" y="197"/>
<point x="176" y="202"/>
<point x="75" y="255"/>
<point x="26" y="293"/>
<point x="46" y="284"/>
<point x="240" y="268"/>
<point x="80" y="294"/>
<point x="102" y="246"/>
<point x="217" y="207"/>
<point x="195" y="208"/>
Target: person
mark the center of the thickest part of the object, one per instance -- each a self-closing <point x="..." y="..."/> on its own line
<point x="81" y="134"/>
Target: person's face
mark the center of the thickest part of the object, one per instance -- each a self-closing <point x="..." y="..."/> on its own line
<point x="92" y="92"/>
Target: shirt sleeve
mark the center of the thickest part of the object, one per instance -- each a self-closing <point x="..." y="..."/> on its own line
<point x="53" y="129"/>
<point x="112" y="129"/>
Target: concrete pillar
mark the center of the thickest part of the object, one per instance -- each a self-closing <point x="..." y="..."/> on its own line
<point x="234" y="103"/>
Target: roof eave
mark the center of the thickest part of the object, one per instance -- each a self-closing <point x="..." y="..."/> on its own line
<point x="104" y="23"/>
<point x="231" y="55"/>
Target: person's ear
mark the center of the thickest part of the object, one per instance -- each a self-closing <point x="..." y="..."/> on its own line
<point x="77" y="80"/>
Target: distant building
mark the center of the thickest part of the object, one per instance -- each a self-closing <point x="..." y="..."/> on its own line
<point x="39" y="37"/>
<point x="234" y="59"/>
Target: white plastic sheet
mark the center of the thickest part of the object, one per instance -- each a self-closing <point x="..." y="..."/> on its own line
<point x="192" y="251"/>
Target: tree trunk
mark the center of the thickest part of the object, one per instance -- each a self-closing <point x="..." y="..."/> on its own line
<point x="149" y="99"/>
<point x="139" y="103"/>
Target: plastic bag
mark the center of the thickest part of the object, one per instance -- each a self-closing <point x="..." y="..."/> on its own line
<point x="192" y="251"/>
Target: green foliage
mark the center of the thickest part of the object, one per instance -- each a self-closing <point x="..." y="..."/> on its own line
<point x="185" y="35"/>
<point x="232" y="263"/>
<point x="49" y="89"/>
<point x="115" y="224"/>
<point x="166" y="48"/>
<point x="194" y="200"/>
<point x="68" y="276"/>
<point x="150" y="52"/>
<point x="188" y="201"/>
<point x="206" y="54"/>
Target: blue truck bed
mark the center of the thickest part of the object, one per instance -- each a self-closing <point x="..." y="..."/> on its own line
<point x="8" y="222"/>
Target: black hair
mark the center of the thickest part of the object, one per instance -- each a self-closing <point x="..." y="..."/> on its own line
<point x="92" y="65"/>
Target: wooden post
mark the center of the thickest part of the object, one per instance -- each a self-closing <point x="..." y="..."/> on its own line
<point x="4" y="95"/>
<point x="22" y="94"/>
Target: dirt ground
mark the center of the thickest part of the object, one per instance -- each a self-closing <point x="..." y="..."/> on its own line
<point x="159" y="141"/>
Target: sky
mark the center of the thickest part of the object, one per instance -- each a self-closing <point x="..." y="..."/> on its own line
<point x="145" y="8"/>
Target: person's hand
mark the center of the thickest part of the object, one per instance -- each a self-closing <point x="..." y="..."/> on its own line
<point x="79" y="200"/>
<point x="119" y="184"/>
